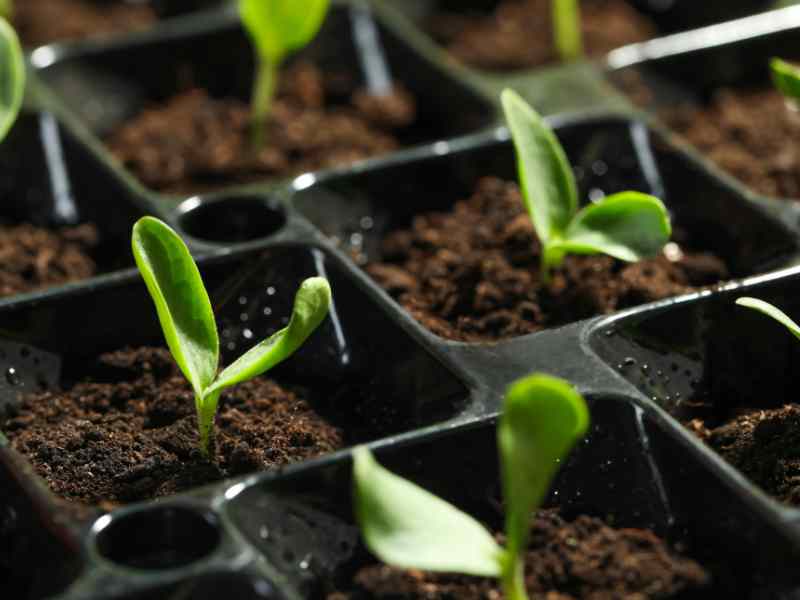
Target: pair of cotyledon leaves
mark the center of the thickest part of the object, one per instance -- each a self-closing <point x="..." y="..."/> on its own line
<point x="407" y="526"/>
<point x="279" y="27"/>
<point x="625" y="225"/>
<point x="188" y="323"/>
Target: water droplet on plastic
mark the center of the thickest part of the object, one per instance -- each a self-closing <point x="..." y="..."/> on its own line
<point x="267" y="311"/>
<point x="247" y="334"/>
<point x="366" y="223"/>
<point x="629" y="361"/>
<point x="12" y="377"/>
<point x="270" y="291"/>
<point x="263" y="532"/>
<point x="242" y="300"/>
<point x="609" y="332"/>
<point x="306" y="562"/>
<point x="244" y="317"/>
<point x="356" y="240"/>
<point x="645" y="367"/>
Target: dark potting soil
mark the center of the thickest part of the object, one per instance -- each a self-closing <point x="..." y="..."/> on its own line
<point x="472" y="274"/>
<point x="194" y="142"/>
<point x="44" y="21"/>
<point x="32" y="258"/>
<point x="518" y="33"/>
<point x="580" y="559"/>
<point x="751" y="134"/>
<point x="136" y="438"/>
<point x="764" y="444"/>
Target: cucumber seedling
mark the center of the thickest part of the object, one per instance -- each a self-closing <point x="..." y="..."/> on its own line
<point x="408" y="527"/>
<point x="189" y="327"/>
<point x="12" y="77"/>
<point x="276" y="28"/>
<point x="786" y="78"/>
<point x="626" y="225"/>
<point x="567" y="29"/>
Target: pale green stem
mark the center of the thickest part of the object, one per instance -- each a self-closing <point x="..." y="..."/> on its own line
<point x="567" y="29"/>
<point x="513" y="580"/>
<point x="206" y="411"/>
<point x="550" y="259"/>
<point x="263" y="93"/>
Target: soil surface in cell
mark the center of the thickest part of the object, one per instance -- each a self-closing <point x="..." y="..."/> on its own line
<point x="751" y="134"/>
<point x="472" y="274"/>
<point x="196" y="142"/>
<point x="43" y="21"/>
<point x="764" y="444"/>
<point x="105" y="443"/>
<point x="518" y="33"/>
<point x="33" y="258"/>
<point x="565" y="560"/>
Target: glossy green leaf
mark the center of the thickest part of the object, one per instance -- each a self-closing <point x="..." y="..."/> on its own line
<point x="181" y="300"/>
<point x="628" y="225"/>
<point x="786" y="78"/>
<point x="548" y="185"/>
<point x="771" y="311"/>
<point x="12" y="77"/>
<point x="311" y="304"/>
<point x="278" y="27"/>
<point x="543" y="418"/>
<point x="407" y="526"/>
<point x="567" y="29"/>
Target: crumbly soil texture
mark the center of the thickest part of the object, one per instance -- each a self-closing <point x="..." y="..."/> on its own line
<point x="194" y="142"/>
<point x="579" y="559"/>
<point x="104" y="443"/>
<point x="33" y="258"/>
<point x="44" y="21"/>
<point x="518" y="33"/>
<point x="472" y="274"/>
<point x="751" y="134"/>
<point x="764" y="444"/>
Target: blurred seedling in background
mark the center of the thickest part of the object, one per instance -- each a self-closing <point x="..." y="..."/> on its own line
<point x="277" y="28"/>
<point x="190" y="330"/>
<point x="786" y="78"/>
<point x="408" y="527"/>
<point x="12" y="76"/>
<point x="567" y="29"/>
<point x="771" y="311"/>
<point x="629" y="226"/>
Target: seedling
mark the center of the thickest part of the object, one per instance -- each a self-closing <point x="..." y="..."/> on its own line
<point x="408" y="527"/>
<point x="786" y="78"/>
<point x="626" y="225"/>
<point x="276" y="28"/>
<point x="12" y="77"/>
<point x="771" y="311"/>
<point x="567" y="29"/>
<point x="186" y="317"/>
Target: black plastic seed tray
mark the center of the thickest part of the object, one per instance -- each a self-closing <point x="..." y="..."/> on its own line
<point x="290" y="533"/>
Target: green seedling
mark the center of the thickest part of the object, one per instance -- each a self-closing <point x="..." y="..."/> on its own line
<point x="276" y="28"/>
<point x="12" y="77"/>
<point x="6" y="8"/>
<point x="567" y="29"/>
<point x="186" y="317"/>
<point x="771" y="311"/>
<point x="786" y="78"/>
<point x="408" y="527"/>
<point x="626" y="225"/>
